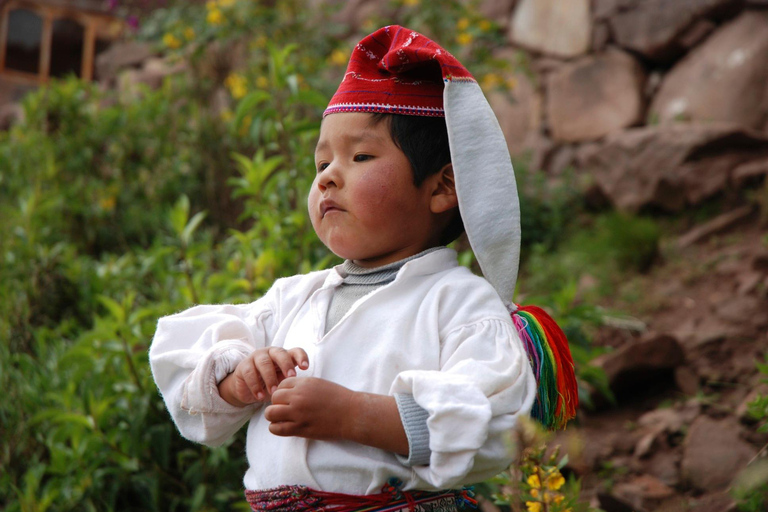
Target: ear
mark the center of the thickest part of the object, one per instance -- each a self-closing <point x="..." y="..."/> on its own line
<point x="444" y="196"/>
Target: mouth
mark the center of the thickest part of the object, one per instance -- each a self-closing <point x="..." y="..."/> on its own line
<point x="328" y="206"/>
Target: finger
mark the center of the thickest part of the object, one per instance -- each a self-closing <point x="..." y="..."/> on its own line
<point x="283" y="360"/>
<point x="266" y="369"/>
<point x="250" y="376"/>
<point x="278" y="413"/>
<point x="300" y="357"/>
<point x="281" y="396"/>
<point x="283" y="428"/>
<point x="288" y="383"/>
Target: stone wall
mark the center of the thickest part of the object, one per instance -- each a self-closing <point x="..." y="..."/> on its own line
<point x="636" y="92"/>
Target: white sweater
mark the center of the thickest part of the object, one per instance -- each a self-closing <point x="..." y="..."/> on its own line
<point x="437" y="332"/>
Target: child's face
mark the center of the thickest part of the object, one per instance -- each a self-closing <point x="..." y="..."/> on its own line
<point x="363" y="203"/>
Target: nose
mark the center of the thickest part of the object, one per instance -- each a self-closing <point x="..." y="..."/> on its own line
<point x="329" y="177"/>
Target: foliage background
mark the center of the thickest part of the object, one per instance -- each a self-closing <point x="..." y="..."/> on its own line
<point x="120" y="206"/>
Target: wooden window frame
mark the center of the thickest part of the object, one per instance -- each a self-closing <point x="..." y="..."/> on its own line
<point x="50" y="13"/>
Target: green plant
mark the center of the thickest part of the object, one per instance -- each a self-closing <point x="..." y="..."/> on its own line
<point x="751" y="486"/>
<point x="535" y="482"/>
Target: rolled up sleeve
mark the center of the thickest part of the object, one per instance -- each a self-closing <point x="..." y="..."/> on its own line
<point x="485" y="383"/>
<point x="193" y="351"/>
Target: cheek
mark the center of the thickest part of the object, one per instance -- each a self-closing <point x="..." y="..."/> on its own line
<point x="380" y="193"/>
<point x="313" y="201"/>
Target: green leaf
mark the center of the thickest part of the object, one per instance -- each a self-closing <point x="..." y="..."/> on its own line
<point x="191" y="226"/>
<point x="115" y="309"/>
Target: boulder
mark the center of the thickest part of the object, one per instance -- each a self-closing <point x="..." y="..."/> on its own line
<point x="671" y="166"/>
<point x="518" y="111"/>
<point x="657" y="29"/>
<point x="714" y="453"/>
<point x="595" y="96"/>
<point x="552" y="27"/>
<point x="722" y="80"/>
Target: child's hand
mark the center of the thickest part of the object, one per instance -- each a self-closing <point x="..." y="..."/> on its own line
<point x="320" y="409"/>
<point x="311" y="407"/>
<point x="258" y="375"/>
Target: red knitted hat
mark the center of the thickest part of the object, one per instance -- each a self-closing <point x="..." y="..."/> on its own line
<point x="397" y="71"/>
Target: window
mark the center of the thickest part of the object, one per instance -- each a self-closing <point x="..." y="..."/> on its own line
<point x="25" y="32"/>
<point x="67" y="48"/>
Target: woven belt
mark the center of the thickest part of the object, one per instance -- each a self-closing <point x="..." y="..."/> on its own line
<point x="298" y="498"/>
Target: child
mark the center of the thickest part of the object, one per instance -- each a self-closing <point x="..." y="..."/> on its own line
<point x="388" y="381"/>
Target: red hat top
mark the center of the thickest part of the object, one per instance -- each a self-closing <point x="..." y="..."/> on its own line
<point x="397" y="71"/>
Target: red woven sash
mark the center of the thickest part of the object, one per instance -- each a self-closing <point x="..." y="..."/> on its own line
<point x="298" y="498"/>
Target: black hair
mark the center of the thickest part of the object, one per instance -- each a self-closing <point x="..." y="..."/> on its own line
<point x="424" y="141"/>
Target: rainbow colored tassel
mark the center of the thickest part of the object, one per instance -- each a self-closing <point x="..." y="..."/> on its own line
<point x="558" y="394"/>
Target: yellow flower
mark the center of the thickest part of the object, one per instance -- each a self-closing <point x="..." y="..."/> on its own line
<point x="247" y="122"/>
<point x="462" y="24"/>
<point x="107" y="203"/>
<point x="189" y="33"/>
<point x="491" y="80"/>
<point x="534" y="493"/>
<point x="226" y="3"/>
<point x="262" y="82"/>
<point x="410" y="3"/>
<point x="237" y="85"/>
<point x="211" y="5"/>
<point x="554" y="481"/>
<point x="464" y="38"/>
<point x="171" y="41"/>
<point x="485" y="25"/>
<point x="534" y="481"/>
<point x="338" y="57"/>
<point x="214" y="17"/>
<point x="533" y="506"/>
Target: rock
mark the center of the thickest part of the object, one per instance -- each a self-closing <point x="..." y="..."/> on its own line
<point x="10" y="114"/>
<point x="670" y="167"/>
<point x="721" y="80"/>
<point x="601" y="35"/>
<point x="519" y="114"/>
<point x="717" y="225"/>
<point x="664" y="465"/>
<point x="499" y="11"/>
<point x="713" y="453"/>
<point x="610" y="503"/>
<point x="595" y="96"/>
<point x="687" y="381"/>
<point x="643" y="492"/>
<point x="552" y="27"/>
<point x="748" y="172"/>
<point x="602" y="9"/>
<point x="635" y="366"/>
<point x="657" y="29"/>
<point x="119" y="56"/>
<point x="696" y="33"/>
<point x="714" y="502"/>
<point x="742" y="310"/>
<point x="669" y="420"/>
<point x="760" y="262"/>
